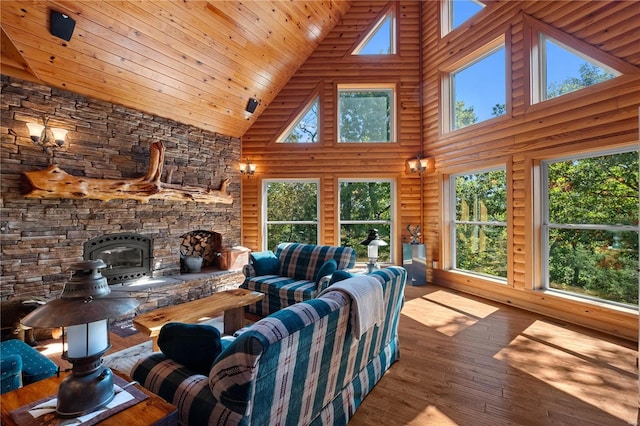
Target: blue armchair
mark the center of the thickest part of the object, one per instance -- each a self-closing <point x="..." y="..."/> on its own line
<point x="20" y="364"/>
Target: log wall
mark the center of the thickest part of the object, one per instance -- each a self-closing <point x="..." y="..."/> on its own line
<point x="596" y="117"/>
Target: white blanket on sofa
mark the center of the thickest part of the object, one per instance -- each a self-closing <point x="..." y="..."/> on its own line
<point x="366" y="302"/>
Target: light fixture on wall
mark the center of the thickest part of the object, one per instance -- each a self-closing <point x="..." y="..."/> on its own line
<point x="373" y="241"/>
<point x="48" y="138"/>
<point x="247" y="168"/>
<point x="83" y="309"/>
<point x="418" y="164"/>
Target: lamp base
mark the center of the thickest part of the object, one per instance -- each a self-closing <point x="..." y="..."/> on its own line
<point x="80" y="394"/>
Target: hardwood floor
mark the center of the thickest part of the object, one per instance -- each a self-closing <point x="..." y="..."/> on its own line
<point x="468" y="361"/>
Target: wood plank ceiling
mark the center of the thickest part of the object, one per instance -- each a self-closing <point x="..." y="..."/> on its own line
<point x="195" y="62"/>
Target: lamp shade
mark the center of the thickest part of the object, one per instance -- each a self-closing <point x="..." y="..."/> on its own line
<point x="373" y="239"/>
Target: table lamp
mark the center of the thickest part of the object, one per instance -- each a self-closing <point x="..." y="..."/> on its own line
<point x="83" y="309"/>
<point x="373" y="241"/>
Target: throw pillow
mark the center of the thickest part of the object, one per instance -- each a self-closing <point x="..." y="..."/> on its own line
<point x="195" y="346"/>
<point x="339" y="276"/>
<point x="328" y="268"/>
<point x="265" y="263"/>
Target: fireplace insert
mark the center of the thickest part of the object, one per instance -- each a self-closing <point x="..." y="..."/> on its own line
<point x="128" y="256"/>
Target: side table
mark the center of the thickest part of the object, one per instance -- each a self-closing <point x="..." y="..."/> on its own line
<point x="152" y="411"/>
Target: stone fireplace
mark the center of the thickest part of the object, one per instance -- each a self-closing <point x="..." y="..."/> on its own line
<point x="128" y="256"/>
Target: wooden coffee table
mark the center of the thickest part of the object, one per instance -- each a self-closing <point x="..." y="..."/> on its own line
<point x="153" y="410"/>
<point x="231" y="302"/>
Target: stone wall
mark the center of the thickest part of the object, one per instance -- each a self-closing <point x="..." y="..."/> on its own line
<point x="40" y="238"/>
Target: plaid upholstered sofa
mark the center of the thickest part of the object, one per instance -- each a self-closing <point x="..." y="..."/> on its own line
<point x="294" y="273"/>
<point x="301" y="365"/>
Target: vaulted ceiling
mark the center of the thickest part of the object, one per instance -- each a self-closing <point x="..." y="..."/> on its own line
<point x="197" y="62"/>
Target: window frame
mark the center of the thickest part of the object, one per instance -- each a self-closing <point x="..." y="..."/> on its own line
<point x="447" y="113"/>
<point x="447" y="14"/>
<point x="546" y="226"/>
<point x="265" y="208"/>
<point x="370" y="87"/>
<point x="298" y="117"/>
<point x="451" y="207"/>
<point x="392" y="213"/>
<point x="390" y="14"/>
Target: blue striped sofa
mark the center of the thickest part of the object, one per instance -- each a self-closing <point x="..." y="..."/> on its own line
<point x="298" y="366"/>
<point x="295" y="280"/>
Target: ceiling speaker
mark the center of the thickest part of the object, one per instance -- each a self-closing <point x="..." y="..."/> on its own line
<point x="252" y="105"/>
<point x="61" y="25"/>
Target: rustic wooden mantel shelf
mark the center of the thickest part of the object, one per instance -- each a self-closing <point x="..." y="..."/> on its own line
<point x="56" y="183"/>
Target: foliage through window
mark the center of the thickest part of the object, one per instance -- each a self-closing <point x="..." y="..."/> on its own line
<point x="305" y="127"/>
<point x="290" y="212"/>
<point x="564" y="70"/>
<point x="477" y="91"/>
<point x="366" y="205"/>
<point x="479" y="223"/>
<point x="590" y="226"/>
<point x="381" y="40"/>
<point x="366" y="114"/>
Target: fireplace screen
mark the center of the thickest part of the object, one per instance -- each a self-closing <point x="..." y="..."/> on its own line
<point x="128" y="256"/>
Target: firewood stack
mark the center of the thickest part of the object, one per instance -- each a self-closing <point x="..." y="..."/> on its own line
<point x="205" y="244"/>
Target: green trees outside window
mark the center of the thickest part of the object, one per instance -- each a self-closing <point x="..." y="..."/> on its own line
<point x="590" y="230"/>
<point x="291" y="213"/>
<point x="365" y="114"/>
<point x="479" y="223"/>
<point x="364" y="206"/>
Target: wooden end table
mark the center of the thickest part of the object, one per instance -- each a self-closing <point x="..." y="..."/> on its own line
<point x="231" y="302"/>
<point x="152" y="411"/>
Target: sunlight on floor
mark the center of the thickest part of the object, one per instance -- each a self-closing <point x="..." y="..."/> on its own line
<point x="449" y="314"/>
<point x="432" y="416"/>
<point x="51" y="349"/>
<point x="588" y="368"/>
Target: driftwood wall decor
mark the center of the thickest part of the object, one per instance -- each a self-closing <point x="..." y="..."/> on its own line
<point x="56" y="183"/>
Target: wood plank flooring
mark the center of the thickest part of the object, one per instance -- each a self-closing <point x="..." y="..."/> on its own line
<point x="469" y="361"/>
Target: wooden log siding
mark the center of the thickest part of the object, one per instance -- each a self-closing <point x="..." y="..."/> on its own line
<point x="332" y="64"/>
<point x="605" y="115"/>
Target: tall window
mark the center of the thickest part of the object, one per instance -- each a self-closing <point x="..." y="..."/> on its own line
<point x="479" y="223"/>
<point x="477" y="90"/>
<point x="590" y="226"/>
<point x="290" y="212"/>
<point x="366" y="113"/>
<point x="366" y="205"/>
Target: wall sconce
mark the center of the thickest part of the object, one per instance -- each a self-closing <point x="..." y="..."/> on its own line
<point x="418" y="165"/>
<point x="247" y="168"/>
<point x="83" y="309"/>
<point x="48" y="138"/>
<point x="373" y="241"/>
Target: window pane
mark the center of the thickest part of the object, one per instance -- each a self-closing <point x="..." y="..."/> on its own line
<point x="567" y="72"/>
<point x="480" y="223"/>
<point x="482" y="197"/>
<point x="463" y="10"/>
<point x="595" y="263"/>
<point x="482" y="249"/>
<point x="365" y="115"/>
<point x="381" y="41"/>
<point x="291" y="233"/>
<point x="292" y="201"/>
<point x="597" y="190"/>
<point x="351" y="236"/>
<point x="306" y="129"/>
<point x="479" y="90"/>
<point x="365" y="201"/>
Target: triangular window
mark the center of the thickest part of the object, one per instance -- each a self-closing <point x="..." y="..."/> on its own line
<point x="381" y="40"/>
<point x="305" y="128"/>
<point x="564" y="70"/>
<point x="457" y="12"/>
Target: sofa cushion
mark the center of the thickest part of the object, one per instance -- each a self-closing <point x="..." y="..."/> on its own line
<point x="265" y="263"/>
<point x="327" y="268"/>
<point x="195" y="346"/>
<point x="339" y="276"/>
<point x="279" y="292"/>
<point x="303" y="261"/>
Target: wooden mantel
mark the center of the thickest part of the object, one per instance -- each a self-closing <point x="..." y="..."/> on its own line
<point x="56" y="183"/>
